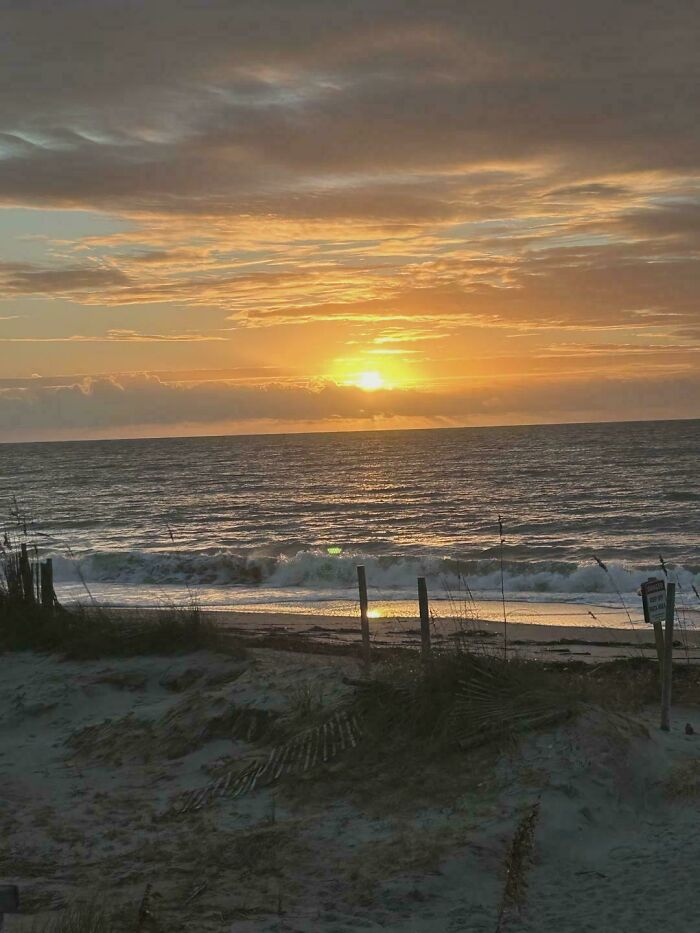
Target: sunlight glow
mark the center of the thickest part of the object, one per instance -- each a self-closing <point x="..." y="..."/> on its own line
<point x="369" y="381"/>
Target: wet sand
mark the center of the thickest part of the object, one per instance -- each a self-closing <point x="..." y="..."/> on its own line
<point x="587" y="643"/>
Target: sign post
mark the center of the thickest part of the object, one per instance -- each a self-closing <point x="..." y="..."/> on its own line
<point x="654" y="603"/>
<point x="9" y="901"/>
<point x="424" y="620"/>
<point x="668" y="659"/>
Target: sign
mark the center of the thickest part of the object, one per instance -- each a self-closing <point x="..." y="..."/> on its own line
<point x="654" y="601"/>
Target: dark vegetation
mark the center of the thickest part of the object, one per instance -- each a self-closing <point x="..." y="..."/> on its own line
<point x="86" y="633"/>
<point x="78" y="918"/>
<point x="31" y="617"/>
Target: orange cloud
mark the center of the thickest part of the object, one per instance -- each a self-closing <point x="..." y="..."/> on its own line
<point x="473" y="191"/>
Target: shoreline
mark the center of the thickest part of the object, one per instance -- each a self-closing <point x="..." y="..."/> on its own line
<point x="528" y="640"/>
<point x="574" y="609"/>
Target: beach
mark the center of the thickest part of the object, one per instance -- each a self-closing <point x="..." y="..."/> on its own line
<point x="551" y="641"/>
<point x="196" y="743"/>
<point x="97" y="757"/>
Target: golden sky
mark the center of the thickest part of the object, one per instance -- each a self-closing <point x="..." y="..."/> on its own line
<point x="302" y="215"/>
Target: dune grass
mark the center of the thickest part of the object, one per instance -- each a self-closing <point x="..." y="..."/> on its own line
<point x="462" y="698"/>
<point x="78" y="918"/>
<point x="88" y="633"/>
<point x="517" y="862"/>
<point x="683" y="782"/>
<point x="31" y="618"/>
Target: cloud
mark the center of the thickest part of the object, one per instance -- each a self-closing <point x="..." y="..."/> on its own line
<point x="678" y="220"/>
<point x="24" y="279"/>
<point x="121" y="405"/>
<point x="598" y="286"/>
<point x="400" y="166"/>
<point x="119" y="336"/>
<point x="309" y="108"/>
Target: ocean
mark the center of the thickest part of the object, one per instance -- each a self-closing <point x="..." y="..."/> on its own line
<point x="282" y="521"/>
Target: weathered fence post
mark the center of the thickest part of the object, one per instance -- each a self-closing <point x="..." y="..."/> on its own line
<point x="26" y="575"/>
<point x="424" y="620"/>
<point x="9" y="901"/>
<point x="364" y="617"/>
<point x="47" y="591"/>
<point x="668" y="658"/>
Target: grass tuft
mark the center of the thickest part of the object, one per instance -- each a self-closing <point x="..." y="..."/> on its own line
<point x="463" y="698"/>
<point x="518" y="860"/>
<point x="683" y="782"/>
<point x="85" y="634"/>
<point x="79" y="918"/>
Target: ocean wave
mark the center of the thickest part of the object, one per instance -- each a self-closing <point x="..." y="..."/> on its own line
<point x="390" y="573"/>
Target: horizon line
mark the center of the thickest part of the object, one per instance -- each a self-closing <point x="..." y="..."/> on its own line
<point x="467" y="427"/>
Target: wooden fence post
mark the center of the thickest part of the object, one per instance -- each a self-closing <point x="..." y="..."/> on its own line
<point x="47" y="592"/>
<point x="26" y="575"/>
<point x="364" y="618"/>
<point x="668" y="658"/>
<point x="424" y="620"/>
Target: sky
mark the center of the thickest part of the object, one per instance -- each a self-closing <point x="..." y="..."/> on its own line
<point x="293" y="215"/>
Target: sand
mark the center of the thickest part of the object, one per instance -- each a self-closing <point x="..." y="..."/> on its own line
<point x="592" y="643"/>
<point x="615" y="847"/>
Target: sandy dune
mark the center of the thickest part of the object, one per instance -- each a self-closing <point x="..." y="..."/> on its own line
<point x="94" y="754"/>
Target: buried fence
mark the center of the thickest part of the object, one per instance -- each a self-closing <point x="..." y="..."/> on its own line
<point x="27" y="579"/>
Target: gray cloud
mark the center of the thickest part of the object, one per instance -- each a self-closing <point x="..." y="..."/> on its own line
<point x="25" y="279"/>
<point x="118" y="405"/>
<point x="221" y="106"/>
<point x="677" y="219"/>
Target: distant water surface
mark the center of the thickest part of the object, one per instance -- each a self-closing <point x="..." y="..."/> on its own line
<point x="252" y="519"/>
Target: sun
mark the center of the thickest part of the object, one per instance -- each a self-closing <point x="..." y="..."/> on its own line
<point x="369" y="381"/>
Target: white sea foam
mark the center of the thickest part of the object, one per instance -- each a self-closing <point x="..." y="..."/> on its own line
<point x="262" y="512"/>
<point x="314" y="569"/>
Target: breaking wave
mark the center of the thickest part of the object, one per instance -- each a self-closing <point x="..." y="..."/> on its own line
<point x="392" y="573"/>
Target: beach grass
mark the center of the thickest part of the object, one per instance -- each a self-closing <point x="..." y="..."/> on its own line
<point x="683" y="782"/>
<point x="78" y="918"/>
<point x="461" y="698"/>
<point x="90" y="632"/>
